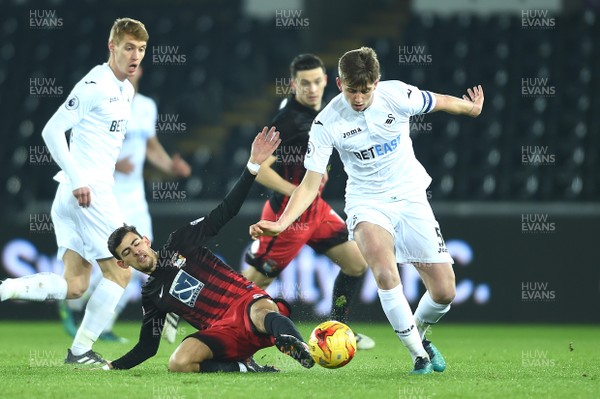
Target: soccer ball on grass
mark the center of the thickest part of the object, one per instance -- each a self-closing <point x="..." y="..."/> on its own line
<point x="332" y="344"/>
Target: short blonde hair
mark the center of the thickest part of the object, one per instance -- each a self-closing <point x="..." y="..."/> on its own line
<point x="359" y="68"/>
<point x="127" y="26"/>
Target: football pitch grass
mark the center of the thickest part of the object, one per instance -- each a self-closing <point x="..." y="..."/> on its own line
<point x="484" y="361"/>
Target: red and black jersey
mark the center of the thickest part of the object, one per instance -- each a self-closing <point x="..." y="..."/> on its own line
<point x="293" y="122"/>
<point x="189" y="279"/>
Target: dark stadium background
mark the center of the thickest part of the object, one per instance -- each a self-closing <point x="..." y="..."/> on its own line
<point x="518" y="187"/>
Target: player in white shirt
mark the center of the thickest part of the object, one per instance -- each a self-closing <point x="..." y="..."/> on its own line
<point x="388" y="214"/>
<point x="85" y="211"/>
<point x="140" y="143"/>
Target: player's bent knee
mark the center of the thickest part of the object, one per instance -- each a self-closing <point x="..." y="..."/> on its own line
<point x="180" y="363"/>
<point x="74" y="294"/>
<point x="386" y="277"/>
<point x="444" y="296"/>
<point x="355" y="270"/>
<point x="176" y="365"/>
<point x="76" y="288"/>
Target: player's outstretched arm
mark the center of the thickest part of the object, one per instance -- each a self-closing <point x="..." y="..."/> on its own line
<point x="264" y="144"/>
<point x="301" y="198"/>
<point x="471" y="104"/>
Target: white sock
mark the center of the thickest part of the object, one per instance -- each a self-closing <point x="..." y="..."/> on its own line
<point x="36" y="287"/>
<point x="99" y="311"/>
<point x="396" y="308"/>
<point x="429" y="312"/>
<point x="243" y="368"/>
<point x="118" y="309"/>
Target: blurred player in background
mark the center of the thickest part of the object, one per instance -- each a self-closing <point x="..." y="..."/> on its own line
<point x="389" y="215"/>
<point x="140" y="143"/>
<point x="85" y="211"/>
<point x="234" y="317"/>
<point x="319" y="226"/>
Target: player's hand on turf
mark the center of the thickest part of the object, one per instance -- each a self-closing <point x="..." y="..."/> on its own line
<point x="265" y="228"/>
<point x="83" y="196"/>
<point x="264" y="145"/>
<point x="476" y="97"/>
<point x="179" y="166"/>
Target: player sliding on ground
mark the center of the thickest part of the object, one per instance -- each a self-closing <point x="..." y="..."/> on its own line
<point x="234" y="317"/>
<point x="388" y="214"/>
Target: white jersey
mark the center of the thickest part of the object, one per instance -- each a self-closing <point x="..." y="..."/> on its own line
<point x="140" y="129"/>
<point x="374" y="145"/>
<point x="98" y="109"/>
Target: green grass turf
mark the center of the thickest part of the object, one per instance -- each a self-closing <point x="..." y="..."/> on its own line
<point x="484" y="361"/>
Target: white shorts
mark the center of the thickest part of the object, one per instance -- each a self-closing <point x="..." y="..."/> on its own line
<point x="411" y="223"/>
<point x="85" y="230"/>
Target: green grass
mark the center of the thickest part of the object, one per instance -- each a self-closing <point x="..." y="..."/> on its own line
<point x="484" y="361"/>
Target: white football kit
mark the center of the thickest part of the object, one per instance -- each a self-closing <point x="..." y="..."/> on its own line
<point x="97" y="111"/>
<point x="386" y="183"/>
<point x="129" y="188"/>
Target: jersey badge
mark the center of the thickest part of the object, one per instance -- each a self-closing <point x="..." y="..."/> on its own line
<point x="186" y="288"/>
<point x="310" y="149"/>
<point x="72" y="103"/>
<point x="178" y="260"/>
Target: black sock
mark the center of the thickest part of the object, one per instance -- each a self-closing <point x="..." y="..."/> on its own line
<point x="344" y="291"/>
<point x="277" y="324"/>
<point x="214" y="366"/>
